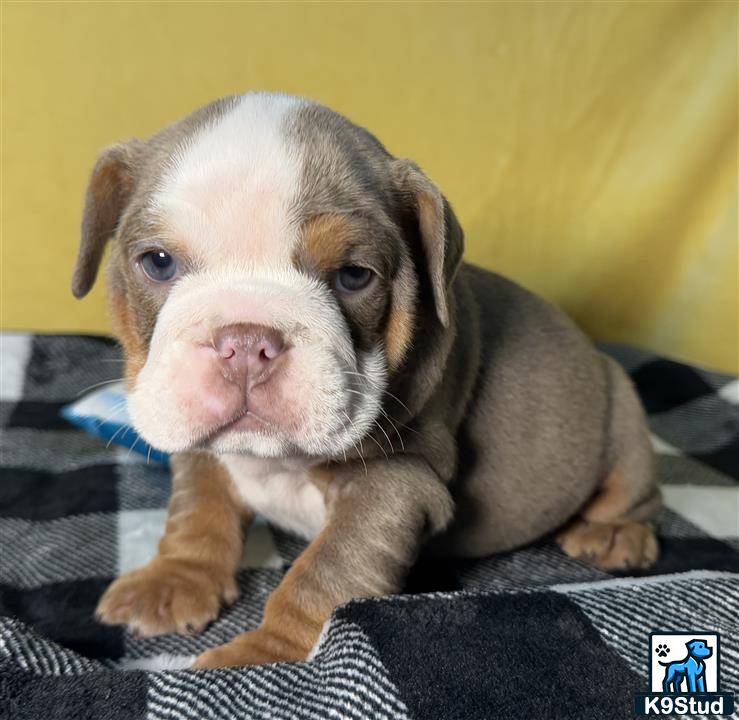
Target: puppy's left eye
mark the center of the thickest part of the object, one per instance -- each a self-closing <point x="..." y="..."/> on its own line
<point x="353" y="278"/>
<point x="158" y="266"/>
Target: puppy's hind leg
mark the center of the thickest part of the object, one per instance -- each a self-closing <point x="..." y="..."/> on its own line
<point x="614" y="531"/>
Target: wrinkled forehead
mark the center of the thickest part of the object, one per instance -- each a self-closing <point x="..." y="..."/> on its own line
<point x="240" y="188"/>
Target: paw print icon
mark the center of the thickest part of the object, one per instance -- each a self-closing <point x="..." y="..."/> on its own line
<point x="662" y="650"/>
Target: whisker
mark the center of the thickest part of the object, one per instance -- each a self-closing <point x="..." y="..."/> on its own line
<point x="403" y="425"/>
<point x="398" y="400"/>
<point x="100" y="384"/>
<point x="394" y="420"/>
<point x="361" y="451"/>
<point x="374" y="440"/>
<point x="130" y="450"/>
<point x="361" y="457"/>
<point x="125" y="428"/>
<point x="373" y="384"/>
<point x="379" y="445"/>
<point x="387" y="437"/>
<point x="109" y="417"/>
<point x="395" y="427"/>
<point x="346" y="430"/>
<point x="260" y="419"/>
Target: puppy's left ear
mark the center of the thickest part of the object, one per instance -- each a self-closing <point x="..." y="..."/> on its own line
<point x="108" y="194"/>
<point x="442" y="239"/>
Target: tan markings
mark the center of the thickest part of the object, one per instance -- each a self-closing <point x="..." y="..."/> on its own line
<point x="606" y="534"/>
<point x="613" y="500"/>
<point x="324" y="242"/>
<point x="611" y="546"/>
<point x="124" y="328"/>
<point x="293" y="618"/>
<point x="398" y="336"/>
<point x="182" y="589"/>
<point x="431" y="222"/>
<point x="400" y="324"/>
<point x="322" y="476"/>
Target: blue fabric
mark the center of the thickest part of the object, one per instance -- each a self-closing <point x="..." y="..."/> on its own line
<point x="103" y="413"/>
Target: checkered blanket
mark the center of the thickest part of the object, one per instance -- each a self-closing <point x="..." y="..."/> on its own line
<point x="527" y="634"/>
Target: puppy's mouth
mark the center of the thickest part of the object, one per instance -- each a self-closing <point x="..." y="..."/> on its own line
<point x="248" y="422"/>
<point x="345" y="427"/>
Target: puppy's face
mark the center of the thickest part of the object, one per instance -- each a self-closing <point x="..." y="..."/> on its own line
<point x="263" y="280"/>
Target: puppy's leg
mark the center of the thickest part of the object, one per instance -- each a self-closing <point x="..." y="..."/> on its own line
<point x="615" y="530"/>
<point x="182" y="589"/>
<point x="376" y="524"/>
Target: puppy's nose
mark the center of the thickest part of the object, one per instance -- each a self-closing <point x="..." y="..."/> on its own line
<point x="249" y="349"/>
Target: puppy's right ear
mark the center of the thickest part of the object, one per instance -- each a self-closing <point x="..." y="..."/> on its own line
<point x="442" y="238"/>
<point x="108" y="194"/>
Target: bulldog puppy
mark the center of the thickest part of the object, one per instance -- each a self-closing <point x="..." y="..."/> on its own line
<point x="302" y="335"/>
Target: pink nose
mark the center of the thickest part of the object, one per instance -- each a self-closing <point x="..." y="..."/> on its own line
<point x="249" y="350"/>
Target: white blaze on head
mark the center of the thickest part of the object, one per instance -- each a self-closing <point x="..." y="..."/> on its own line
<point x="228" y="201"/>
<point x="229" y="192"/>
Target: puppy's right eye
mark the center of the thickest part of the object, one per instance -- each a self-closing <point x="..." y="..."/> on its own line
<point x="352" y="278"/>
<point x="158" y="266"/>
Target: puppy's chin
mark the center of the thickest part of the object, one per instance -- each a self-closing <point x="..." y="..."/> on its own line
<point x="253" y="443"/>
<point x="254" y="437"/>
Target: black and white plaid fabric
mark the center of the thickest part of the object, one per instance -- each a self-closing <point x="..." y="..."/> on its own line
<point x="527" y="634"/>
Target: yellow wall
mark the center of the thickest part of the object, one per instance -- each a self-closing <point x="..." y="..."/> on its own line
<point x="589" y="148"/>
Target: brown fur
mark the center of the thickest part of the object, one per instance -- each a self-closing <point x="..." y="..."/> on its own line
<point x="611" y="546"/>
<point x="398" y="336"/>
<point x="124" y="328"/>
<point x="325" y="240"/>
<point x="182" y="589"/>
<point x="291" y="625"/>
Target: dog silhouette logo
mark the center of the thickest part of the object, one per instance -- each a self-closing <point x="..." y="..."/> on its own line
<point x="684" y="676"/>
<point x="688" y="675"/>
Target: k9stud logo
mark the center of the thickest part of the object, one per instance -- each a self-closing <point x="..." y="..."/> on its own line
<point x="684" y="676"/>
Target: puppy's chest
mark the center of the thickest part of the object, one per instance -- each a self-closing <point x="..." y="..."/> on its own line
<point x="281" y="491"/>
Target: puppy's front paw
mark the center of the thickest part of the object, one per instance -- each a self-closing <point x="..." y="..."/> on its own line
<point x="626" y="546"/>
<point x="166" y="596"/>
